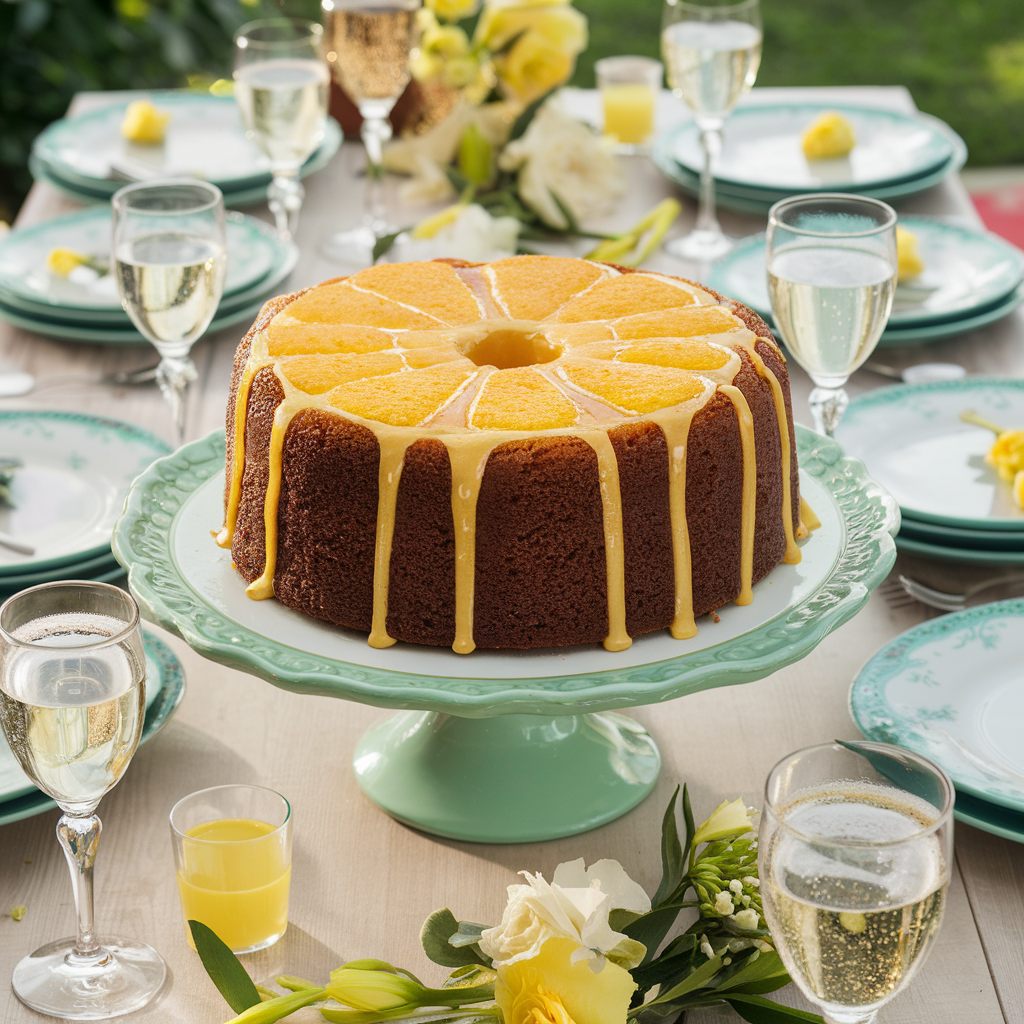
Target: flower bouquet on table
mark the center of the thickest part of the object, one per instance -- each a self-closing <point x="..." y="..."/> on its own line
<point x="520" y="168"/>
<point x="587" y="948"/>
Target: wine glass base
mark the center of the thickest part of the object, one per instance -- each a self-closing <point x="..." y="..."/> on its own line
<point x="354" y="246"/>
<point x="700" y="246"/>
<point x="127" y="978"/>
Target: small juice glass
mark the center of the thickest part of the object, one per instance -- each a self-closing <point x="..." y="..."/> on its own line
<point x="629" y="88"/>
<point x="233" y="856"/>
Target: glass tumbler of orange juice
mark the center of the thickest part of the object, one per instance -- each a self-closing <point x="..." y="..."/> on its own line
<point x="233" y="855"/>
<point x="629" y="88"/>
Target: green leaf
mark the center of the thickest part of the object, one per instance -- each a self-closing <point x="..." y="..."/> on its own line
<point x="699" y="978"/>
<point x="651" y="929"/>
<point x="758" y="1010"/>
<point x="437" y="930"/>
<point x="522" y="122"/>
<point x="572" y="227"/>
<point x="224" y="968"/>
<point x="280" y="1007"/>
<point x="289" y="981"/>
<point x="688" y="822"/>
<point x="457" y="179"/>
<point x="757" y="969"/>
<point x="471" y="975"/>
<point x="674" y="961"/>
<point x="672" y="863"/>
<point x="468" y="934"/>
<point x="384" y="243"/>
<point x="509" y="43"/>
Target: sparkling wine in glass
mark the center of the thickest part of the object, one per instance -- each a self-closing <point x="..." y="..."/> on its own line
<point x="368" y="44"/>
<point x="854" y="857"/>
<point x="831" y="262"/>
<point x="169" y="260"/>
<point x="72" y="704"/>
<point x="711" y="53"/>
<point x="281" y="87"/>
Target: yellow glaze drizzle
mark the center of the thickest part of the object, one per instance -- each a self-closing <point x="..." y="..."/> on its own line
<point x="792" y="555"/>
<point x="746" y="422"/>
<point x="392" y="457"/>
<point x="468" y="452"/>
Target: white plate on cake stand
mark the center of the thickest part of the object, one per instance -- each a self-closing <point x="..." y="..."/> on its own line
<point x="418" y="766"/>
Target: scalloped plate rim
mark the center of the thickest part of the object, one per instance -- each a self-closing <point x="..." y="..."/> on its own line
<point x="851" y="596"/>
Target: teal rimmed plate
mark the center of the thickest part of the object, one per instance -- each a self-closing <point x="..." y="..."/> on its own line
<point x="183" y="581"/>
<point x="952" y="553"/>
<point x="952" y="690"/>
<point x="960" y="537"/>
<point x="999" y="821"/>
<point x="116" y="336"/>
<point x="89" y="190"/>
<point x="71" y="489"/>
<point x="20" y="799"/>
<point x="762" y="148"/>
<point x="253" y="249"/>
<point x="969" y="274"/>
<point x="204" y="138"/>
<point x="912" y="440"/>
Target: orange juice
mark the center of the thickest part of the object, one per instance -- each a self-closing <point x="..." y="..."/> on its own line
<point x="628" y="111"/>
<point x="233" y="876"/>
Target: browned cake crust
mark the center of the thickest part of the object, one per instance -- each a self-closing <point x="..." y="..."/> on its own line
<point x="541" y="576"/>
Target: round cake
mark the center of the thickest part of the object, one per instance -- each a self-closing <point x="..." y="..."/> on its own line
<point x="534" y="452"/>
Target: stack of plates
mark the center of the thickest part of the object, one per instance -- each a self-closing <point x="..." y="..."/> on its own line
<point x="913" y="442"/>
<point x="971" y="278"/>
<point x="68" y="494"/>
<point x="38" y="300"/>
<point x="762" y="159"/>
<point x="952" y="690"/>
<point x="88" y="158"/>
<point x="165" y="686"/>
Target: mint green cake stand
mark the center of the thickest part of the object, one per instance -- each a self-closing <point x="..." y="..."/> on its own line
<point x="500" y="746"/>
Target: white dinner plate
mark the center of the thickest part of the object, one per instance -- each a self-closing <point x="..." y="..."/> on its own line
<point x="70" y="491"/>
<point x="952" y="690"/>
<point x="913" y="442"/>
<point x="761" y="147"/>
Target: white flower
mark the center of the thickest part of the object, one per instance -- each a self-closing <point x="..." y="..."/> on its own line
<point x="705" y="947"/>
<point x="752" y="881"/>
<point x="727" y="820"/>
<point x="746" y="919"/>
<point x="723" y="903"/>
<point x="559" y="155"/>
<point x="736" y="886"/>
<point x="576" y="906"/>
<point x="474" y="235"/>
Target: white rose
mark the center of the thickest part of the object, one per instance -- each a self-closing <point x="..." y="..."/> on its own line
<point x="474" y="235"/>
<point x="575" y="906"/>
<point x="559" y="155"/>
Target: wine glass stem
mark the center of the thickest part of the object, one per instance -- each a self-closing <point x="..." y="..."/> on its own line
<point x="711" y="143"/>
<point x="173" y="375"/>
<point x="827" y="408"/>
<point x="284" y="197"/>
<point x="79" y="835"/>
<point x="375" y="132"/>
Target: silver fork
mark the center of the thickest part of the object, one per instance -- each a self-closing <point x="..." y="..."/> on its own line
<point x="941" y="599"/>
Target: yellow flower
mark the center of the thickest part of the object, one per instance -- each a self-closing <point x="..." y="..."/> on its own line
<point x="63" y="261"/>
<point x="727" y="819"/>
<point x="549" y="989"/>
<point x="533" y="66"/>
<point x="1018" y="488"/>
<point x="445" y="41"/>
<point x="908" y="255"/>
<point x="144" y="123"/>
<point x="1006" y="456"/>
<point x="453" y="10"/>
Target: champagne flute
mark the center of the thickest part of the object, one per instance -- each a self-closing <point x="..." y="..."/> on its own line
<point x="711" y="53"/>
<point x="831" y="261"/>
<point x="281" y="88"/>
<point x="369" y="44"/>
<point x="854" y="855"/>
<point x="72" y="704"/>
<point x="169" y="258"/>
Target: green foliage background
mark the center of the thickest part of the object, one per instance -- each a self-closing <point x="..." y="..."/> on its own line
<point x="963" y="60"/>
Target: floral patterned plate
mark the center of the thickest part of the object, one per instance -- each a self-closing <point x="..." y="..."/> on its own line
<point x="68" y="494"/>
<point x="952" y="689"/>
<point x="913" y="442"/>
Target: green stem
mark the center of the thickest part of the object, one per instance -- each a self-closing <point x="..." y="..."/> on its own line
<point x="970" y="416"/>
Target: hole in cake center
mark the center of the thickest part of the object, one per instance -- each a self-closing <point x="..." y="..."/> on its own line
<point x="509" y="347"/>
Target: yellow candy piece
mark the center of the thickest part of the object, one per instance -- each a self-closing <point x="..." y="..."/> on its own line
<point x="62" y="261"/>
<point x="908" y="255"/>
<point x="144" y="123"/>
<point x="829" y="135"/>
<point x="1006" y="456"/>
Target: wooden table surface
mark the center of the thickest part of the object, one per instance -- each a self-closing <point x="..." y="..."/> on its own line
<point x="362" y="883"/>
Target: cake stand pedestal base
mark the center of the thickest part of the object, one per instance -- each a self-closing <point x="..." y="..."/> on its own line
<point x="508" y="779"/>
